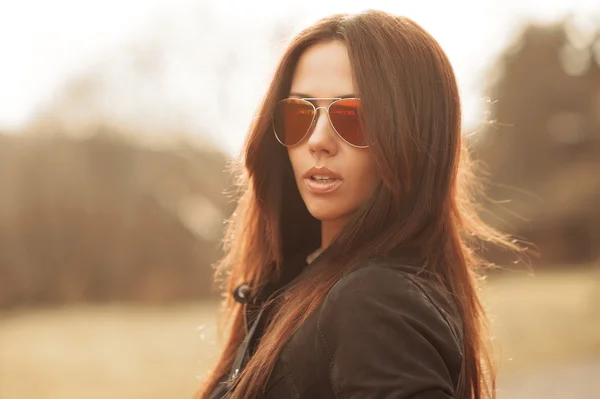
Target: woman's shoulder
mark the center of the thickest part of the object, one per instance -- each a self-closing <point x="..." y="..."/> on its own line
<point x="392" y="289"/>
<point x="381" y="325"/>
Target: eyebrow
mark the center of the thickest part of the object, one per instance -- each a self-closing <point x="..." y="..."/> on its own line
<point x="304" y="95"/>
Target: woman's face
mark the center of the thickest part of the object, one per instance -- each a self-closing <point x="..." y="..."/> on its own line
<point x="324" y="71"/>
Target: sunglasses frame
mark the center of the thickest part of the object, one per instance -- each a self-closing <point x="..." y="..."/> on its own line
<point x="316" y="111"/>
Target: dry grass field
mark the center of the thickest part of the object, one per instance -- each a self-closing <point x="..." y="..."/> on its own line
<point x="151" y="352"/>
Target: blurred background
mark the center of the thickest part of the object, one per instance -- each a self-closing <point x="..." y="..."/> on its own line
<point x="118" y="119"/>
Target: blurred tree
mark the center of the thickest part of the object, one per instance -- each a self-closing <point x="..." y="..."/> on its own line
<point x="105" y="195"/>
<point x="104" y="219"/>
<point x="542" y="143"/>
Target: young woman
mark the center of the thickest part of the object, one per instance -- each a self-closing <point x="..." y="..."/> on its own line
<point x="349" y="269"/>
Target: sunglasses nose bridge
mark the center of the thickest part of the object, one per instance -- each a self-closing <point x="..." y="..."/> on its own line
<point x="327" y="116"/>
<point x="317" y="113"/>
<point x="318" y="108"/>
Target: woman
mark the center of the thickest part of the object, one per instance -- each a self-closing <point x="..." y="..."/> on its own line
<point x="348" y="258"/>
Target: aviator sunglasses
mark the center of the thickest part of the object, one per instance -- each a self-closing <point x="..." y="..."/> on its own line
<point x="294" y="118"/>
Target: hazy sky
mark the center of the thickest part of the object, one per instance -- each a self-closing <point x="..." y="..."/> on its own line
<point x="43" y="42"/>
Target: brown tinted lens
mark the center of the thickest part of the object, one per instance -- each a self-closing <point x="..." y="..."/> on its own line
<point x="292" y="119"/>
<point x="347" y="119"/>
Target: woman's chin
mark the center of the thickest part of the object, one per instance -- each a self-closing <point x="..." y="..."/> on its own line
<point x="324" y="213"/>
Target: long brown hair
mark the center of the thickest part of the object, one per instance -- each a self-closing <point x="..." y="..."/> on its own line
<point x="424" y="206"/>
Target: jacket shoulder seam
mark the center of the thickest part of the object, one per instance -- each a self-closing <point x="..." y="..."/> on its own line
<point x="419" y="286"/>
<point x="412" y="280"/>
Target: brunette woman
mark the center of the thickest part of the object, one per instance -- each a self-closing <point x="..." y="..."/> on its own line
<point x="349" y="269"/>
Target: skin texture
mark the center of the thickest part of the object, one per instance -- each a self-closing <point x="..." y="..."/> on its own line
<point x="324" y="70"/>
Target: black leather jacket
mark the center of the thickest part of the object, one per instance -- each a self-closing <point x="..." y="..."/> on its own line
<point x="383" y="331"/>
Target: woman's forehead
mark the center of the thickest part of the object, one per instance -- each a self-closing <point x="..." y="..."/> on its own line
<point x="324" y="70"/>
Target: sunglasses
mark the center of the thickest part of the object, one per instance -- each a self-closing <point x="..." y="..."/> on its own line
<point x="294" y="117"/>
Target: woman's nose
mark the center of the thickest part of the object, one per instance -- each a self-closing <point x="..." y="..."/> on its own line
<point x="322" y="137"/>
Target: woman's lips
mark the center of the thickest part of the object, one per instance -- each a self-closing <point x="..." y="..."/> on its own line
<point x="322" y="186"/>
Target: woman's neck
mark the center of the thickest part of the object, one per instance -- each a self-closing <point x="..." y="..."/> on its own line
<point x="329" y="229"/>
